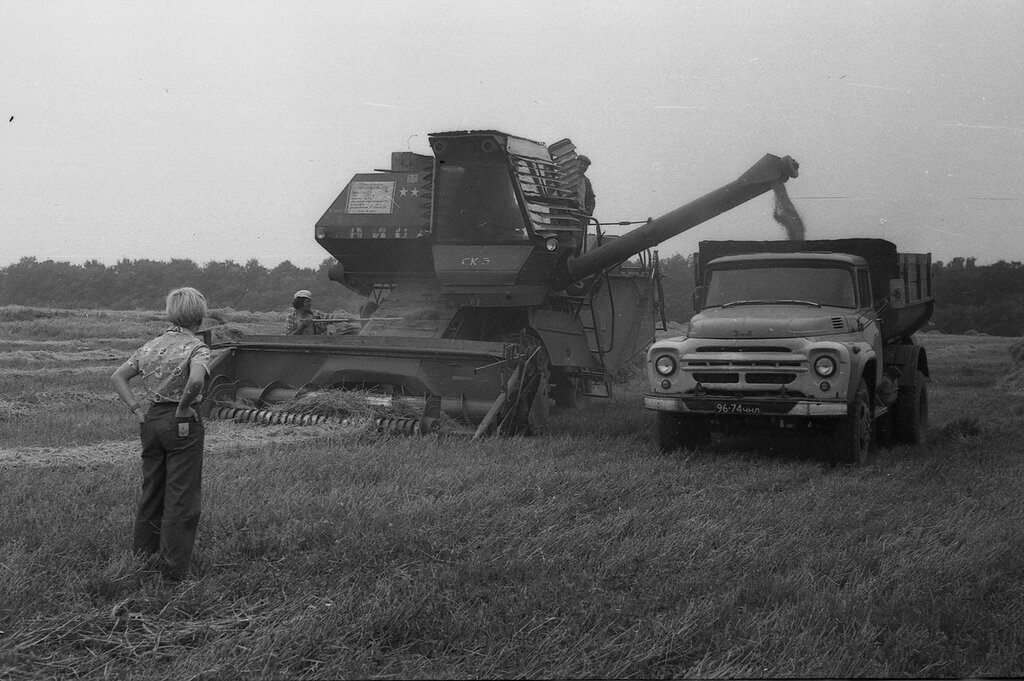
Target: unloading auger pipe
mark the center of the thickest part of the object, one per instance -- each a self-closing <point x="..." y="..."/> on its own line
<point x="760" y="178"/>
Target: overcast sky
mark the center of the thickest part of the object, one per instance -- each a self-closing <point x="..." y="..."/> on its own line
<point x="224" y="130"/>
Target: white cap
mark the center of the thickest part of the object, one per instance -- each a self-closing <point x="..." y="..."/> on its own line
<point x="303" y="294"/>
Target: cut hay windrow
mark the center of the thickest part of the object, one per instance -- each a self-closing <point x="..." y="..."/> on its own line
<point x="354" y="411"/>
<point x="348" y="404"/>
<point x="359" y="411"/>
<point x="11" y="411"/>
<point x="1017" y="352"/>
<point x="222" y="437"/>
<point x="1013" y="380"/>
<point x="66" y="396"/>
<point x="29" y="356"/>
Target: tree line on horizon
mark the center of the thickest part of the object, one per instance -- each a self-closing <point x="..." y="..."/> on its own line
<point x="144" y="284"/>
<point x="969" y="297"/>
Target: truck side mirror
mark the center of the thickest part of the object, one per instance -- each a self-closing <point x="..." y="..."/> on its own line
<point x="698" y="299"/>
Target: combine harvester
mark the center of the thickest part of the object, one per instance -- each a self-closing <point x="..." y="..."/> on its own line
<point x="519" y="298"/>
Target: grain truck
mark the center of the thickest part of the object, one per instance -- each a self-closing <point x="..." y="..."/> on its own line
<point x="811" y="337"/>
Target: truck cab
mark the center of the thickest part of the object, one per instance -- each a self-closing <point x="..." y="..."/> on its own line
<point x="793" y="337"/>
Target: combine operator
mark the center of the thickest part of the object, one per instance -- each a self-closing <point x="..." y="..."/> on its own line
<point x="302" y="318"/>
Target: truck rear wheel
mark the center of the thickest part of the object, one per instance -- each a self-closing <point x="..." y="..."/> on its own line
<point x="854" y="436"/>
<point x="910" y="413"/>
<point x="678" y="431"/>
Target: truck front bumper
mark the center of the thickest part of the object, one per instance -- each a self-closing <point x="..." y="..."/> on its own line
<point x="747" y="406"/>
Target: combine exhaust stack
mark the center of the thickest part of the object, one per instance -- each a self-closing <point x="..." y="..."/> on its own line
<point x="526" y="303"/>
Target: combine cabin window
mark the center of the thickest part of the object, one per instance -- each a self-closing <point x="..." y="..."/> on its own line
<point x="477" y="204"/>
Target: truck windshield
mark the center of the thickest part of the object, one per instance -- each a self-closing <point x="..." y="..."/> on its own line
<point x="476" y="203"/>
<point x="780" y="284"/>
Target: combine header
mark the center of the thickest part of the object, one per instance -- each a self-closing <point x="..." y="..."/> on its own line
<point x="512" y="294"/>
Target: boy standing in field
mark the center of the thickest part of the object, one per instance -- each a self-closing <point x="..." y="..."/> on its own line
<point x="173" y="367"/>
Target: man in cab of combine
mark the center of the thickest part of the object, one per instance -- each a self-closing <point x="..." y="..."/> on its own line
<point x="587" y="199"/>
<point x="302" y="318"/>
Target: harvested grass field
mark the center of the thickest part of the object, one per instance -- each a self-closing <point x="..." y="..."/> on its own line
<point x="583" y="553"/>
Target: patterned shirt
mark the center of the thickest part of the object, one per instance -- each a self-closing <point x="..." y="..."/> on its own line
<point x="165" y="362"/>
<point x="296" y="318"/>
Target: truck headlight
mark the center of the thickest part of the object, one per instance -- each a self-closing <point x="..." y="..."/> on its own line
<point x="665" y="365"/>
<point x="551" y="243"/>
<point x="824" y="366"/>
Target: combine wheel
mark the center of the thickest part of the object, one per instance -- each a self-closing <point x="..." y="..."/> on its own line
<point x="538" y="414"/>
<point x="678" y="431"/>
<point x="567" y="392"/>
<point x="527" y="412"/>
<point x="854" y="436"/>
<point x="910" y="413"/>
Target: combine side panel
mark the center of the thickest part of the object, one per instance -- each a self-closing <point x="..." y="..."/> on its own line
<point x="379" y="226"/>
<point x="623" y="316"/>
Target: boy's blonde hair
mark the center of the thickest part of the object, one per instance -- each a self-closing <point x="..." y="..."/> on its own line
<point x="186" y="307"/>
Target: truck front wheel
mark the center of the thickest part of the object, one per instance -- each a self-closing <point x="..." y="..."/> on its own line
<point x="855" y="433"/>
<point x="910" y="413"/>
<point x="678" y="431"/>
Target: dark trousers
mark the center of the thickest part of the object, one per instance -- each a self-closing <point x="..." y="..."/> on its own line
<point x="172" y="472"/>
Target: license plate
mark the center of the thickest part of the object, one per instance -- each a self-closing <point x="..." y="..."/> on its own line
<point x="739" y="407"/>
<point x="736" y="408"/>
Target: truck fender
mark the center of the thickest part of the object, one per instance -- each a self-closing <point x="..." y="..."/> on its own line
<point x="863" y="364"/>
<point x="910" y="357"/>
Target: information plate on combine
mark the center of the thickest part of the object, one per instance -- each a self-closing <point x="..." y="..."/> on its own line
<point x="371" y="198"/>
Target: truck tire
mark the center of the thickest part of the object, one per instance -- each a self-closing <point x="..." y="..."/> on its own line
<point x="854" y="437"/>
<point x="677" y="431"/>
<point x="910" y="413"/>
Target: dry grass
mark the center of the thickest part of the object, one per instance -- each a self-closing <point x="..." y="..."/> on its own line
<point x="584" y="553"/>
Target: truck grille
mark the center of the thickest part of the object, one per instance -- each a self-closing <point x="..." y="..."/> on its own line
<point x="759" y="363"/>
<point x="774" y="379"/>
<point x="715" y="377"/>
<point x="749" y="365"/>
<point x="742" y="348"/>
<point x="751" y="378"/>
